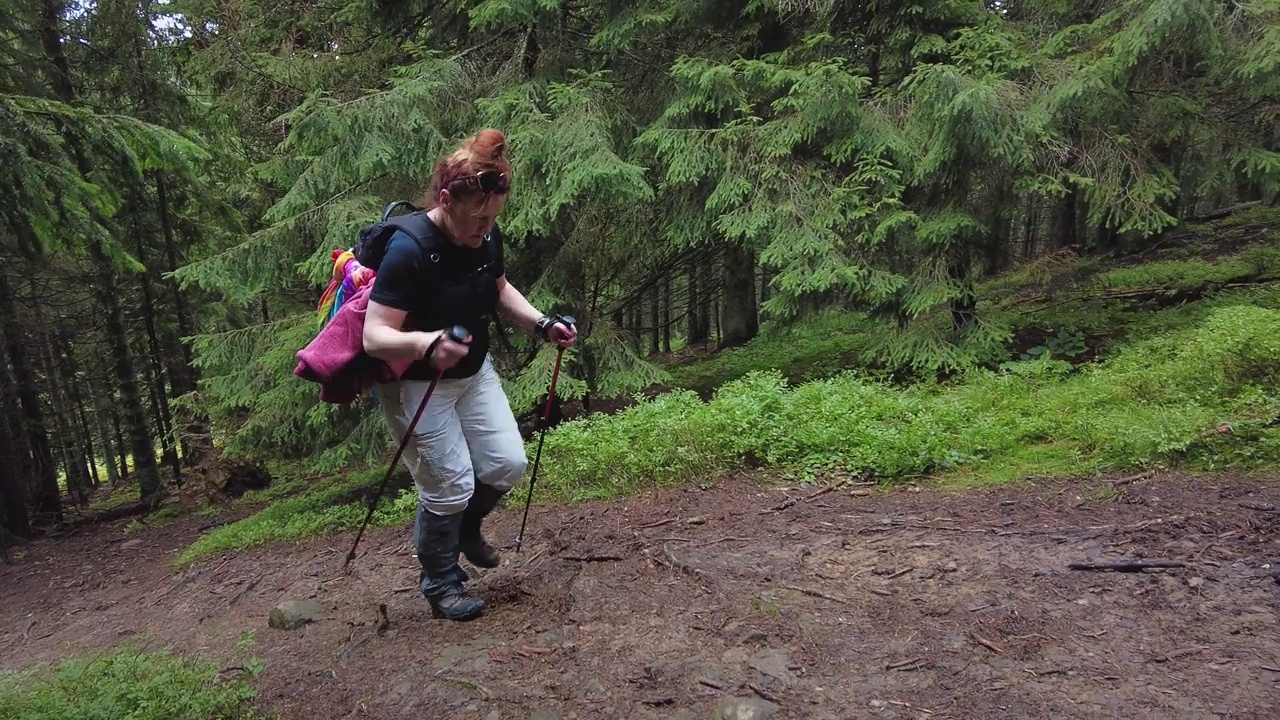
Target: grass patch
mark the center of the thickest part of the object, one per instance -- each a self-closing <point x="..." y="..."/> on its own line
<point x="128" y="684"/>
<point x="325" y="507"/>
<point x="1149" y="404"/>
<point x="821" y="346"/>
<point x="1254" y="263"/>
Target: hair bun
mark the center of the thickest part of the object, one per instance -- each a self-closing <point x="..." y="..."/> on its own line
<point x="489" y="143"/>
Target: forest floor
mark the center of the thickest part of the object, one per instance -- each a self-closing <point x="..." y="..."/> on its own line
<point x="850" y="603"/>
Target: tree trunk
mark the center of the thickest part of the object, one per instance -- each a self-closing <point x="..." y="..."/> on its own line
<point x="73" y="462"/>
<point x="48" y="502"/>
<point x="740" y="318"/>
<point x="159" y="395"/>
<point x="182" y="375"/>
<point x="24" y="464"/>
<point x="84" y="429"/>
<point x="655" y="300"/>
<point x="108" y="446"/>
<point x="706" y="293"/>
<point x="142" y="449"/>
<point x="1064" y="221"/>
<point x="666" y="313"/>
<point x="964" y="306"/>
<point x="697" y="330"/>
<point x="13" y="491"/>
<point x="1029" y="240"/>
<point x="122" y="448"/>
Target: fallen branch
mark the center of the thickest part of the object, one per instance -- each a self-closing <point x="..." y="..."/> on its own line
<point x="592" y="558"/>
<point x="657" y="523"/>
<point x="912" y="664"/>
<point x="780" y="506"/>
<point x="815" y="593"/>
<point x="763" y="694"/>
<point x="727" y="538"/>
<point x="1131" y="479"/>
<point x="118" y="512"/>
<point x="986" y="643"/>
<point x="1221" y="213"/>
<point x="909" y="706"/>
<point x="1135" y="566"/>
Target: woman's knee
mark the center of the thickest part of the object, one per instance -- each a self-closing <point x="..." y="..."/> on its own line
<point x="506" y="468"/>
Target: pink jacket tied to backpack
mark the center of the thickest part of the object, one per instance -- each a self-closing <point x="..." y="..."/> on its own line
<point x="335" y="358"/>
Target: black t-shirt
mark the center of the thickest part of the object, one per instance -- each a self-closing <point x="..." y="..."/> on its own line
<point x="441" y="284"/>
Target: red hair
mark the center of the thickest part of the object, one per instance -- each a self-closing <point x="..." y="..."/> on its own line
<point x="486" y="150"/>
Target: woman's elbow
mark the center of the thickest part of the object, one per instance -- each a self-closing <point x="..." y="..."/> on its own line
<point x="370" y="341"/>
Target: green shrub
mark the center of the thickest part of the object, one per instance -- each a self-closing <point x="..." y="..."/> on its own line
<point x="1149" y="404"/>
<point x="127" y="684"/>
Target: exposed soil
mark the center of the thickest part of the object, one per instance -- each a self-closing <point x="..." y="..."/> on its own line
<point x="847" y="604"/>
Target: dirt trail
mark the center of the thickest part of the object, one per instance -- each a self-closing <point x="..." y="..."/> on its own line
<point x="903" y="605"/>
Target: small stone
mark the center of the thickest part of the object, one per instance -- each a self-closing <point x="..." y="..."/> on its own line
<point x="593" y="691"/>
<point x="771" y="663"/>
<point x="495" y="715"/>
<point x="949" y="567"/>
<point x="697" y="520"/>
<point x="736" y="708"/>
<point x="293" y="614"/>
<point x="860" y="492"/>
<point x="131" y="544"/>
<point x="1195" y="582"/>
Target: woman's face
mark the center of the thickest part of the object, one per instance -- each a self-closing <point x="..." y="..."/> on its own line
<point x="471" y="218"/>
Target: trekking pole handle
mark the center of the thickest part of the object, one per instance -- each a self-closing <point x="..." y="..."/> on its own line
<point x="565" y="320"/>
<point x="457" y="333"/>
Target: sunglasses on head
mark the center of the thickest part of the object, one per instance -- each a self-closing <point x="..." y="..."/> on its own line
<point x="488" y="181"/>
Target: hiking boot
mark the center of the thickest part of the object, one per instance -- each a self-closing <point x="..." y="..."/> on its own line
<point x="473" y="545"/>
<point x="442" y="578"/>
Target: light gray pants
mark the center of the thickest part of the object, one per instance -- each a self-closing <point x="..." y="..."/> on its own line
<point x="467" y="434"/>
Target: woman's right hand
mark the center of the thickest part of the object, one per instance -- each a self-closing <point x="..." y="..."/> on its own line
<point x="447" y="352"/>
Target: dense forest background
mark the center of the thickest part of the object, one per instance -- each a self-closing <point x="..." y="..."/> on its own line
<point x="688" y="176"/>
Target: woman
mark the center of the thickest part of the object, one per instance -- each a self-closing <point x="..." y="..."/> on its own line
<point x="467" y="451"/>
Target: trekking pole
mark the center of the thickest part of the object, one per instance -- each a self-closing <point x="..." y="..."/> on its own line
<point x="546" y="418"/>
<point x="458" y="334"/>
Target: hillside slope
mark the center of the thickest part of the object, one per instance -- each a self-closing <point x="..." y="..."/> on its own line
<point x="1164" y="359"/>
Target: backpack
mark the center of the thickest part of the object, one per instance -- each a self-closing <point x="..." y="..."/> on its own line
<point x="357" y="266"/>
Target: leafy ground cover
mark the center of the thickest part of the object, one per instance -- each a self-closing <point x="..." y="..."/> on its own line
<point x="128" y="683"/>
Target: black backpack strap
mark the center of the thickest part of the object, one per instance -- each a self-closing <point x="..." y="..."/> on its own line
<point x="372" y="245"/>
<point x="418" y="227"/>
